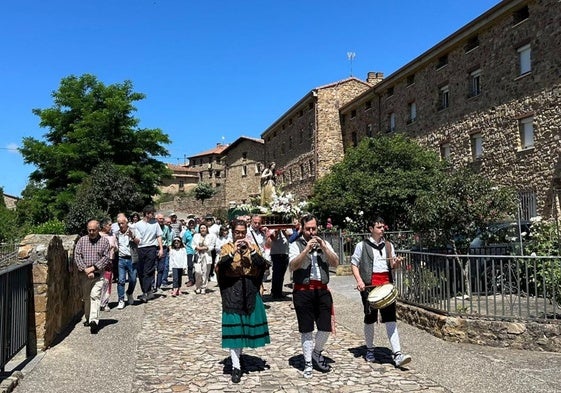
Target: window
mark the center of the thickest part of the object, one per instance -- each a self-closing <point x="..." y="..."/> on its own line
<point x="476" y="146"/>
<point x="300" y="113"/>
<point x="526" y="127"/>
<point x="410" y="79"/>
<point x="368" y="104"/>
<point x="472" y="43"/>
<point x="353" y="113"/>
<point x="412" y="109"/>
<point x="391" y="122"/>
<point x="311" y="165"/>
<point x="527" y="205"/>
<point x="217" y="174"/>
<point x="369" y="130"/>
<point x="244" y="156"/>
<point x="442" y="61"/>
<point x="475" y="83"/>
<point x="524" y="59"/>
<point x="302" y="171"/>
<point x="244" y="170"/>
<point x="389" y="92"/>
<point x="258" y="169"/>
<point x="301" y="136"/>
<point x="201" y="176"/>
<point x="520" y="15"/>
<point x="445" y="151"/>
<point x="342" y="120"/>
<point x="354" y="139"/>
<point x="444" y="97"/>
<point x="181" y="184"/>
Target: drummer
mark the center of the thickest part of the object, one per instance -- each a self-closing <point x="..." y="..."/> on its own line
<point x="372" y="268"/>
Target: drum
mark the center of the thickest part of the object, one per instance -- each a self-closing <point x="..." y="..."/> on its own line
<point x="382" y="296"/>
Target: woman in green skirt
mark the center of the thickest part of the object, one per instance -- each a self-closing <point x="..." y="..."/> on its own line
<point x="240" y="275"/>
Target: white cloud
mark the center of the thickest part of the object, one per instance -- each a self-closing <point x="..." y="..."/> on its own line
<point x="12" y="147"/>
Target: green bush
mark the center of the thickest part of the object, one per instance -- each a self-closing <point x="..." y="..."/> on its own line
<point x="51" y="227"/>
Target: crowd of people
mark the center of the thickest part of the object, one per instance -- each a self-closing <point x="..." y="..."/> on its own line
<point x="239" y="257"/>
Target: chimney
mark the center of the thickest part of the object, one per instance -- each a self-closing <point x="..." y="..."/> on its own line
<point x="374" y="78"/>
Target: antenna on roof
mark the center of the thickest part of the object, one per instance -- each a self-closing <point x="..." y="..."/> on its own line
<point x="351" y="56"/>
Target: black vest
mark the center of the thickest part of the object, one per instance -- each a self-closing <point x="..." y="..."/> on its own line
<point x="302" y="275"/>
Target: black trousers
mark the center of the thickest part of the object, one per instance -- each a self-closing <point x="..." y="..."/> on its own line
<point x="147" y="257"/>
<point x="280" y="264"/>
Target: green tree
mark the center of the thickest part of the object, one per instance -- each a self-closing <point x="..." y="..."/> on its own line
<point x="203" y="191"/>
<point x="90" y="123"/>
<point x="460" y="206"/>
<point x="106" y="192"/>
<point x="381" y="176"/>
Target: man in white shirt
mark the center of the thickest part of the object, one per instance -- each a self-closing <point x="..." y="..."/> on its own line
<point x="372" y="263"/>
<point x="310" y="258"/>
<point x="150" y="249"/>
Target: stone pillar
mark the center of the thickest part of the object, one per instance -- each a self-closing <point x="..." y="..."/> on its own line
<point x="56" y="289"/>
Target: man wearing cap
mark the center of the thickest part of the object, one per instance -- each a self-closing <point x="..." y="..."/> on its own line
<point x="175" y="225"/>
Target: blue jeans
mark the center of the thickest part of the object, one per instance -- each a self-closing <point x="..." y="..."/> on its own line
<point x="126" y="267"/>
<point x="163" y="267"/>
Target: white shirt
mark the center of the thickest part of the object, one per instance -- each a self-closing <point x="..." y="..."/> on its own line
<point x="380" y="263"/>
<point x="148" y="232"/>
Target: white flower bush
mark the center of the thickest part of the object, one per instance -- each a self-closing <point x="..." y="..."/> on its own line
<point x="285" y="205"/>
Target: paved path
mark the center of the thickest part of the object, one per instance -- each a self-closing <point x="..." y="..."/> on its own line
<point x="173" y="345"/>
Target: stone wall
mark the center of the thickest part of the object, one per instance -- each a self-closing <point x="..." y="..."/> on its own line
<point x="528" y="335"/>
<point x="55" y="283"/>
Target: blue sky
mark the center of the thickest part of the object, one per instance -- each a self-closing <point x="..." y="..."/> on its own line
<point x="211" y="70"/>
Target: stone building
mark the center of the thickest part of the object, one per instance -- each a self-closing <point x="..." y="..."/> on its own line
<point x="243" y="161"/>
<point x="10" y="201"/>
<point x="306" y="140"/>
<point x="487" y="96"/>
<point x="209" y="165"/>
<point x="183" y="179"/>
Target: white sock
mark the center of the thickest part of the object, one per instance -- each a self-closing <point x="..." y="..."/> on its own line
<point x="393" y="335"/>
<point x="321" y="339"/>
<point x="235" y="354"/>
<point x="369" y="335"/>
<point x="307" y="345"/>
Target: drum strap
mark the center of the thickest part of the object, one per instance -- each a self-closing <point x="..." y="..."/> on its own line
<point x="388" y="254"/>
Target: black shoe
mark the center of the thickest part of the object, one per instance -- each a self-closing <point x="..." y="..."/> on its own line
<point x="236" y="375"/>
<point x="87" y="323"/>
<point x="93" y="327"/>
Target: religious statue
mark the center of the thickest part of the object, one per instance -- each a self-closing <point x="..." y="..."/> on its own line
<point x="268" y="180"/>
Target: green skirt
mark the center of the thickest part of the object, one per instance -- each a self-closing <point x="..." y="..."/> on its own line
<point x="246" y="331"/>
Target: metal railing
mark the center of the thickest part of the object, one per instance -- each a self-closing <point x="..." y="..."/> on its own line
<point x="489" y="286"/>
<point x="16" y="307"/>
<point x="344" y="243"/>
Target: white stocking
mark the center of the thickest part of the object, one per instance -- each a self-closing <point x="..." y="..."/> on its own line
<point x="235" y="354"/>
<point x="307" y="345"/>
<point x="369" y="335"/>
<point x="393" y="335"/>
<point x="321" y="339"/>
